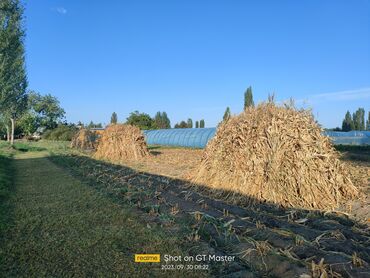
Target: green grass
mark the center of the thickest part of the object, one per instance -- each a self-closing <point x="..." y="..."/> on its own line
<point x="5" y="170"/>
<point x="6" y="174"/>
<point x="61" y="227"/>
<point x="25" y="147"/>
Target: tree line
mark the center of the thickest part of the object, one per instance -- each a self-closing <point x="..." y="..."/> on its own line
<point x="355" y="121"/>
<point x="159" y="121"/>
<point x="189" y="124"/>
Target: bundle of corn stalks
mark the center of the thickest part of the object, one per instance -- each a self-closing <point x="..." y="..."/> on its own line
<point x="122" y="142"/>
<point x="84" y="139"/>
<point x="274" y="154"/>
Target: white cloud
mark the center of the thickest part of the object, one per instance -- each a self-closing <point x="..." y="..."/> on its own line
<point x="348" y="95"/>
<point x="60" y="10"/>
<point x="356" y="94"/>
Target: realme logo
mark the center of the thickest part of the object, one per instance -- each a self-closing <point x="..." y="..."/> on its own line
<point x="147" y="258"/>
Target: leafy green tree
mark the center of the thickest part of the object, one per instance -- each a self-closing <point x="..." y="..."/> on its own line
<point x="13" y="79"/>
<point x="359" y="119"/>
<point x="190" y="123"/>
<point x="227" y="114"/>
<point x="113" y="118"/>
<point x="368" y="122"/>
<point x="347" y="124"/>
<point x="142" y="120"/>
<point x="5" y="126"/>
<point x="80" y="124"/>
<point x="248" y="98"/>
<point x="161" y="121"/>
<point x="42" y="111"/>
<point x="202" y="124"/>
<point x="91" y="125"/>
<point x="166" y="120"/>
<point x="158" y="120"/>
<point x="47" y="108"/>
<point x="196" y="124"/>
<point x="28" y="123"/>
<point x="183" y="124"/>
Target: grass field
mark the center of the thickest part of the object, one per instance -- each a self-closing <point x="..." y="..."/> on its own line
<point x="68" y="214"/>
<point x="6" y="189"/>
<point x="60" y="227"/>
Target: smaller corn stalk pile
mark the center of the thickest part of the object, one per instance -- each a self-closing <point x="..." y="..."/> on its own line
<point x="121" y="142"/>
<point x="274" y="154"/>
<point x="85" y="139"/>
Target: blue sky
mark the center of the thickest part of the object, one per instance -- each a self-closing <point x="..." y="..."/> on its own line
<point x="194" y="58"/>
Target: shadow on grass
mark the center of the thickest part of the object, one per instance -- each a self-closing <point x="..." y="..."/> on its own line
<point x="153" y="147"/>
<point x="22" y="147"/>
<point x="354" y="153"/>
<point x="6" y="190"/>
<point x="155" y="153"/>
<point x="332" y="236"/>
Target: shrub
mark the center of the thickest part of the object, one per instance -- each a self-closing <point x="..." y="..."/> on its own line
<point x="61" y="133"/>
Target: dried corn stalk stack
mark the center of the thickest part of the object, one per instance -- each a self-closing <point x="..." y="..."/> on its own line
<point x="84" y="139"/>
<point x="274" y="154"/>
<point x="122" y="142"/>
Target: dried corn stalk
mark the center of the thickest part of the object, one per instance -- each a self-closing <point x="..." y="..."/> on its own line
<point x="122" y="142"/>
<point x="84" y="139"/>
<point x="275" y="154"/>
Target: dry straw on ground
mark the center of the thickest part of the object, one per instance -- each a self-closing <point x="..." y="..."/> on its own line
<point x="121" y="142"/>
<point x="84" y="139"/>
<point x="274" y="154"/>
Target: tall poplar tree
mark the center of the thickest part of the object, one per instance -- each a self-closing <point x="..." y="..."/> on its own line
<point x="359" y="119"/>
<point x="248" y="98"/>
<point x="347" y="124"/>
<point x="166" y="120"/>
<point x="190" y="123"/>
<point x="161" y="120"/>
<point x="227" y="114"/>
<point x="114" y="118"/>
<point x="13" y="79"/>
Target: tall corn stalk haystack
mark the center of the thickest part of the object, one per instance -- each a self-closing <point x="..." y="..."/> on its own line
<point x="274" y="154"/>
<point x="121" y="142"/>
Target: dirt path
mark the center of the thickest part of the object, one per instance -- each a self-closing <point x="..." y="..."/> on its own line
<point x="61" y="227"/>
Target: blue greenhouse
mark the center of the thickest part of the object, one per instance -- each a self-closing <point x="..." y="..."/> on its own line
<point x="354" y="137"/>
<point x="181" y="137"/>
<point x="199" y="137"/>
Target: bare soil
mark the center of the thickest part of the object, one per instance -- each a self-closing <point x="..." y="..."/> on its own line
<point x="170" y="162"/>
